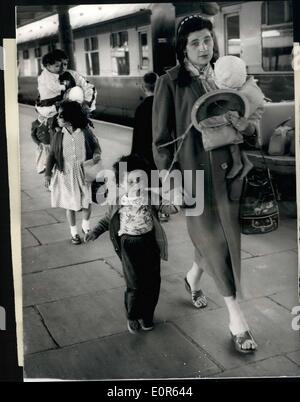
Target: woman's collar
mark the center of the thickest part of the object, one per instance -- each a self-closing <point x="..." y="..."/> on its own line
<point x="195" y="70"/>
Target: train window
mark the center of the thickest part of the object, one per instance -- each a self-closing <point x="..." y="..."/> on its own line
<point x="51" y="47"/>
<point x="277" y="12"/>
<point x="94" y="43"/>
<point x="25" y="54"/>
<point x="144" y="50"/>
<point x="38" y="55"/>
<point x="232" y="30"/>
<point x="87" y="44"/>
<point x="92" y="56"/>
<point x="120" y="53"/>
<point x="38" y="52"/>
<point x="277" y="35"/>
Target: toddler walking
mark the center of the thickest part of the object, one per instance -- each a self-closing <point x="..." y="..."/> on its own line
<point x="138" y="239"/>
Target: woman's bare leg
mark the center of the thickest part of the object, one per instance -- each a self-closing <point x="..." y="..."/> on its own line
<point x="193" y="278"/>
<point x="237" y="321"/>
<point x="194" y="275"/>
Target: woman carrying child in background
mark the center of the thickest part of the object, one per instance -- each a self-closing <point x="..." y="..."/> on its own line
<point x="54" y="84"/>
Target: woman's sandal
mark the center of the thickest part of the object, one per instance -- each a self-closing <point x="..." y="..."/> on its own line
<point x="198" y="298"/>
<point x="240" y="339"/>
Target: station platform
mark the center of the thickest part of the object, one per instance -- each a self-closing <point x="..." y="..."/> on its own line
<point x="74" y="320"/>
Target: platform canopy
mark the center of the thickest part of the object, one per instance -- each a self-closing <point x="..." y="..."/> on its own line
<point x="80" y="16"/>
<point x="28" y="14"/>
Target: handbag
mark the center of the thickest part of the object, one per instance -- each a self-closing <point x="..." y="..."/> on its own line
<point x="218" y="132"/>
<point x="91" y="170"/>
<point x="280" y="141"/>
<point x="259" y="212"/>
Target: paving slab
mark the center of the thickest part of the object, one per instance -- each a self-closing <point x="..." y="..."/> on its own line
<point x="27" y="239"/>
<point x="256" y="274"/>
<point x="115" y="262"/>
<point x="36" y="337"/>
<point x="36" y="204"/>
<point x="181" y="257"/>
<point x="295" y="357"/>
<point x="36" y="218"/>
<point x="162" y="353"/>
<point x="39" y="190"/>
<point x="174" y="234"/>
<point x="57" y="232"/>
<point x="284" y="238"/>
<point x="287" y="298"/>
<point x="85" y="317"/>
<point x="271" y="325"/>
<point x="70" y="281"/>
<point x="175" y="301"/>
<point x="25" y="196"/>
<point x="60" y="214"/>
<point x="273" y="367"/>
<point x="245" y="254"/>
<point x="207" y="283"/>
<point x="62" y="254"/>
<point x="290" y="223"/>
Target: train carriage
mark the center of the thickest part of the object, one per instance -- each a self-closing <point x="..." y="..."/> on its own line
<point x="113" y="53"/>
<point x="115" y="45"/>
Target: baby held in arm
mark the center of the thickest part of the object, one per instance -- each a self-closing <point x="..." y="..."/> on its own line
<point x="230" y="73"/>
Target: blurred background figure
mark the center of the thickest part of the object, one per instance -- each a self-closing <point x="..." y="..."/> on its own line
<point x="142" y="128"/>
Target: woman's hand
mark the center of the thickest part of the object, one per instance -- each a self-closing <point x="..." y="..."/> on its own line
<point x="47" y="181"/>
<point x="90" y="236"/>
<point x="96" y="158"/>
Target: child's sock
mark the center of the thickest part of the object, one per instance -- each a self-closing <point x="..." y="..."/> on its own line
<point x="74" y="231"/>
<point x="85" y="225"/>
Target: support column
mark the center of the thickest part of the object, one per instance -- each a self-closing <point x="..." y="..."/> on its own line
<point x="65" y="34"/>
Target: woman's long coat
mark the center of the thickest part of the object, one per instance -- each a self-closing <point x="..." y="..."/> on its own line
<point x="216" y="233"/>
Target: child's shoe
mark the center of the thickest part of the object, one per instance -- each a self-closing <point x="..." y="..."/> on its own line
<point x="147" y="325"/>
<point x="76" y="240"/>
<point x="133" y="326"/>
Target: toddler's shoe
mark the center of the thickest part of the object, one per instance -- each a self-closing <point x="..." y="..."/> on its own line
<point x="133" y="326"/>
<point x="147" y="325"/>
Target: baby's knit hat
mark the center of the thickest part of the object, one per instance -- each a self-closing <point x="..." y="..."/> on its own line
<point x="230" y="72"/>
<point x="76" y="94"/>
